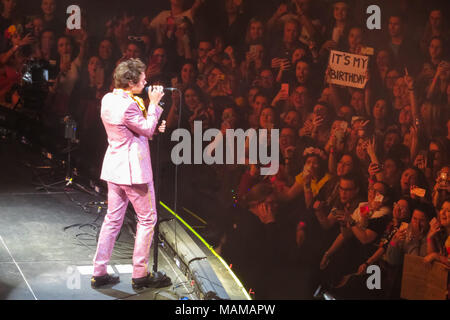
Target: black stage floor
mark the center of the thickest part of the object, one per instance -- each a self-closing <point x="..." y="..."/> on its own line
<point x="40" y="259"/>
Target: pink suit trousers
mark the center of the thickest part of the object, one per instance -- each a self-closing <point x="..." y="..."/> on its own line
<point x="142" y="198"/>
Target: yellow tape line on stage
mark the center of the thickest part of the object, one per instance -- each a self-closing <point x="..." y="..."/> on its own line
<point x="238" y="282"/>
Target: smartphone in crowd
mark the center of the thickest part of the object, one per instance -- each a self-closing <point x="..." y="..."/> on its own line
<point x="367" y="51"/>
<point x="403" y="226"/>
<point x="419" y="192"/>
<point x="253" y="51"/>
<point x="443" y="179"/>
<point x="340" y="131"/>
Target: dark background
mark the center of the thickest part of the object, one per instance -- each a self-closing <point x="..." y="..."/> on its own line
<point x="98" y="12"/>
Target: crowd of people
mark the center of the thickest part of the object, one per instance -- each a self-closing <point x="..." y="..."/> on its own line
<point x="363" y="173"/>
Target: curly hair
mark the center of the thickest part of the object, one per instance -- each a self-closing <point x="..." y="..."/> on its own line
<point x="128" y="71"/>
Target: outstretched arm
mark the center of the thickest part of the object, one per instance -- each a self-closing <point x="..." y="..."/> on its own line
<point x="338" y="242"/>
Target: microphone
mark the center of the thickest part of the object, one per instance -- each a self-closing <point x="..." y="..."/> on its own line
<point x="166" y="89"/>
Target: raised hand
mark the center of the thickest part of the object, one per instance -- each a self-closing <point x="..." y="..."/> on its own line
<point x="400" y="235"/>
<point x="421" y="162"/>
<point x="307" y="174"/>
<point x="409" y="81"/>
<point x="28" y="39"/>
<point x="276" y="63"/>
<point x="285" y="65"/>
<point x="443" y="65"/>
<point x="281" y="96"/>
<point x="299" y="9"/>
<point x="265" y="213"/>
<point x="371" y="147"/>
<point x="435" y="227"/>
<point x="317" y="121"/>
<point x="18" y="41"/>
<point x="282" y="9"/>
<point x="374" y="169"/>
<point x="307" y="129"/>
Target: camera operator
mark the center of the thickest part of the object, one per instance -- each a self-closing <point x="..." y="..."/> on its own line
<point x="57" y="104"/>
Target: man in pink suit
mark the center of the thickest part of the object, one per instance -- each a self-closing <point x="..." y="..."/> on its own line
<point x="127" y="169"/>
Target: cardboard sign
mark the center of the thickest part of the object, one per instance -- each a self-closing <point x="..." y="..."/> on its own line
<point x="422" y="281"/>
<point x="348" y="69"/>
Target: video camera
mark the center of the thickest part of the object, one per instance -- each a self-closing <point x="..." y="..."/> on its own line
<point x="36" y="76"/>
<point x="39" y="72"/>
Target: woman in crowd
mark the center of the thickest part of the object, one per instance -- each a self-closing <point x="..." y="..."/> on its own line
<point x="193" y="99"/>
<point x="69" y="67"/>
<point x="337" y="30"/>
<point x="380" y="115"/>
<point x="436" y="26"/>
<point x="438" y="238"/>
<point x="187" y="76"/>
<point x="107" y="56"/>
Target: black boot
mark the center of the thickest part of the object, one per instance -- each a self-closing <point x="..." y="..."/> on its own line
<point x="97" y="282"/>
<point x="158" y="280"/>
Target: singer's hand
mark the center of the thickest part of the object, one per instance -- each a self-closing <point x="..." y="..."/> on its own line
<point x="155" y="94"/>
<point x="162" y="127"/>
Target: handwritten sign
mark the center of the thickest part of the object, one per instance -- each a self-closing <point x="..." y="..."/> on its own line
<point x="422" y="281"/>
<point x="347" y="69"/>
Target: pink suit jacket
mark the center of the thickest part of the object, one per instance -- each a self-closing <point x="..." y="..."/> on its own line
<point x="127" y="160"/>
